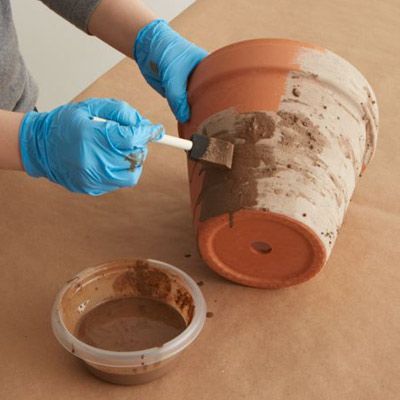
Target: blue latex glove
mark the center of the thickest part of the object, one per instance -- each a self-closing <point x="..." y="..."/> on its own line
<point x="166" y="60"/>
<point x="68" y="147"/>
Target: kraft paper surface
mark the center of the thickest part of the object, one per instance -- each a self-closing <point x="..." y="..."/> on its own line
<point x="334" y="337"/>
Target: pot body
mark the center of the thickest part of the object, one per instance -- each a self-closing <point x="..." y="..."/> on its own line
<point x="304" y="122"/>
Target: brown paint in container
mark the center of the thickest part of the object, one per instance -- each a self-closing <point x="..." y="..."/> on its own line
<point x="130" y="324"/>
<point x="129" y="320"/>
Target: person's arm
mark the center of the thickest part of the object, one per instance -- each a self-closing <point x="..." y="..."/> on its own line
<point x="118" y="22"/>
<point x="10" y="156"/>
<point x="165" y="58"/>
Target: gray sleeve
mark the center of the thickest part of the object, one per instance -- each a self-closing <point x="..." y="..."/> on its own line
<point x="78" y="12"/>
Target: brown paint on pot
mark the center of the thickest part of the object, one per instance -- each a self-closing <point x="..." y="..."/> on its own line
<point x="281" y="103"/>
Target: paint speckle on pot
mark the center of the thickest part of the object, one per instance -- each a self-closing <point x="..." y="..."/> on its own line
<point x="302" y="132"/>
<point x="296" y="92"/>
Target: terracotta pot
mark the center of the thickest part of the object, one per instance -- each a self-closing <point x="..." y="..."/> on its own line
<point x="304" y="122"/>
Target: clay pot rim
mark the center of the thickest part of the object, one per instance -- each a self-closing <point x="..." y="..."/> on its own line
<point x="247" y="42"/>
<point x="197" y="86"/>
<point x="108" y="358"/>
<point x="192" y="92"/>
<point x="314" y="241"/>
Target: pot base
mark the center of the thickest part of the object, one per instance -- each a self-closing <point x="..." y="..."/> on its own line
<point x="261" y="249"/>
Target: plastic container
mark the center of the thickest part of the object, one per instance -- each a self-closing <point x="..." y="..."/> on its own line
<point x="304" y="122"/>
<point x="122" y="279"/>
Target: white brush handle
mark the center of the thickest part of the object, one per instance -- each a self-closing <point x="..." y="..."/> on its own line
<point x="176" y="142"/>
<point x="168" y="140"/>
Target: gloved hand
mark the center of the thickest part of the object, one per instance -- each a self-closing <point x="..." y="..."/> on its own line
<point x="68" y="147"/>
<point x="166" y="60"/>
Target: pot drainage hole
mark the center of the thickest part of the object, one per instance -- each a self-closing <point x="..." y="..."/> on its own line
<point x="261" y="247"/>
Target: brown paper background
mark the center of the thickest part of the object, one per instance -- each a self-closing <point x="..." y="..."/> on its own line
<point x="335" y="337"/>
